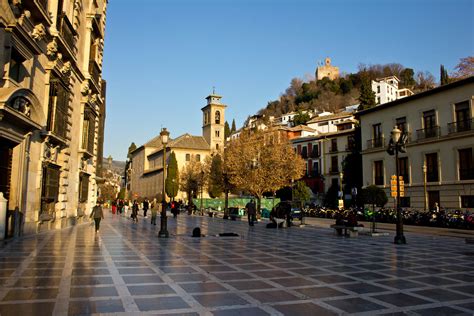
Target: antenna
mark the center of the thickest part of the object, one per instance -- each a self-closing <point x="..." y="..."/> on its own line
<point x="213" y="90"/>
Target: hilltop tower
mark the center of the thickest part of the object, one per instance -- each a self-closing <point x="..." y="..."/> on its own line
<point x="213" y="115"/>
<point x="327" y="70"/>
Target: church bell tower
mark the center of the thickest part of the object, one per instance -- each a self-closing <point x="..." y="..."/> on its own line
<point x="213" y="115"/>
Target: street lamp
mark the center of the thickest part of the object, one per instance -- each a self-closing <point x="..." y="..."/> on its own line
<point x="164" y="135"/>
<point x="396" y="145"/>
<point x="202" y="185"/>
<point x="341" y="191"/>
<point x="424" y="187"/>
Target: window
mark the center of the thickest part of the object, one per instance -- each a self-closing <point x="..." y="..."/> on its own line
<point x="217" y="146"/>
<point x="218" y="117"/>
<point x="403" y="169"/>
<point x="315" y="168"/>
<point x="217" y="133"/>
<point x="188" y="157"/>
<point x="467" y="201"/>
<point x="50" y="188"/>
<point x="83" y="187"/>
<point x="463" y="119"/>
<point x="198" y="157"/>
<point x="315" y="151"/>
<point x="401" y="123"/>
<point x="377" y="131"/>
<point x="58" y="108"/>
<point x="334" y="164"/>
<point x="378" y="100"/>
<point x="378" y="89"/>
<point x="433" y="199"/>
<point x="16" y="66"/>
<point x="88" y="132"/>
<point x="378" y="172"/>
<point x="333" y="144"/>
<point x="429" y="123"/>
<point x="351" y="142"/>
<point x="304" y="152"/>
<point x="466" y="164"/>
<point x="432" y="167"/>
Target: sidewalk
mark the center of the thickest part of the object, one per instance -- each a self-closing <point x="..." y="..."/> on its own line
<point x="127" y="270"/>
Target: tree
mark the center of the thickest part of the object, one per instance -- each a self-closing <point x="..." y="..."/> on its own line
<point x="332" y="196"/>
<point x="216" y="178"/>
<point x="226" y="130"/>
<point x="301" y="192"/>
<point x="131" y="148"/>
<point x="465" y="68"/>
<point x="406" y="78"/>
<point x="259" y="162"/>
<point x="374" y="195"/>
<point x="424" y="81"/>
<point x="367" y="96"/>
<point x="172" y="177"/>
<point x="192" y="179"/>
<point x="300" y="118"/>
<point x="444" y="79"/>
<point x="121" y="194"/>
<point x="233" y="129"/>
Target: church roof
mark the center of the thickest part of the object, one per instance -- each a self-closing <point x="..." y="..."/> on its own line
<point x="185" y="141"/>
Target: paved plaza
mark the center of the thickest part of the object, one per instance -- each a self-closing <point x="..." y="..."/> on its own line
<point x="126" y="270"/>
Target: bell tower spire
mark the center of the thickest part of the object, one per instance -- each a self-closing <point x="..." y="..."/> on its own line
<point x="213" y="114"/>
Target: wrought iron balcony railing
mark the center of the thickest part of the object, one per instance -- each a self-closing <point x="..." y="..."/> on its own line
<point x="94" y="71"/>
<point x="375" y="143"/>
<point x="67" y="32"/>
<point x="429" y="132"/>
<point x="461" y="126"/>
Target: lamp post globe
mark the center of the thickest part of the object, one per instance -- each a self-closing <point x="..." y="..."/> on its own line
<point x="164" y="135"/>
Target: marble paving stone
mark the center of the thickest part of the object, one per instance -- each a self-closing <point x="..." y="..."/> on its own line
<point x="201" y="287"/>
<point x="250" y="285"/>
<point x="441" y="295"/>
<point x="401" y="299"/>
<point x="37" y="282"/>
<point x="441" y="311"/>
<point x="160" y="303"/>
<point x="355" y="305"/>
<point x="93" y="291"/>
<point x="320" y="292"/>
<point x="251" y="311"/>
<point x="188" y="277"/>
<point x="401" y="284"/>
<point x="92" y="271"/>
<point x="368" y="276"/>
<point x="135" y="270"/>
<point x="214" y="300"/>
<point x="294" y="281"/>
<point x="333" y="278"/>
<point x="466" y="289"/>
<point x="232" y="276"/>
<point x="220" y="268"/>
<point x="304" y="309"/>
<point x="362" y="288"/>
<point x="271" y="274"/>
<point x="42" y="273"/>
<point x="178" y="270"/>
<point x="37" y="309"/>
<point x="273" y="296"/>
<point x="142" y="279"/>
<point x="150" y="289"/>
<point x="31" y="294"/>
<point x="101" y="306"/>
<point x="124" y="264"/>
<point x="91" y="280"/>
<point x="433" y="280"/>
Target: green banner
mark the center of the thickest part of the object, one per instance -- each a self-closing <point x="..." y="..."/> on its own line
<point x="218" y="204"/>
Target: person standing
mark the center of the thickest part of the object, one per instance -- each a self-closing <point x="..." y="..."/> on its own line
<point x="135" y="211"/>
<point x="155" y="207"/>
<point x="146" y="206"/>
<point x="251" y="211"/>
<point x="97" y="214"/>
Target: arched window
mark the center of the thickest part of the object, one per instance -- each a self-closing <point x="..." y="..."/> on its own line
<point x="217" y="146"/>
<point x="218" y="117"/>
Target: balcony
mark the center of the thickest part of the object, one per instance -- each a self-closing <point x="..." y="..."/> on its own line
<point x="461" y="126"/>
<point x="314" y="154"/>
<point x="466" y="174"/>
<point x="67" y="32"/>
<point x="94" y="71"/>
<point x="43" y="4"/>
<point x="334" y="169"/>
<point x="333" y="149"/>
<point x="430" y="132"/>
<point x="350" y="147"/>
<point x="376" y="143"/>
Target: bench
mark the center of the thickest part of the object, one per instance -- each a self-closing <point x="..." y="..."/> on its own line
<point x="353" y="230"/>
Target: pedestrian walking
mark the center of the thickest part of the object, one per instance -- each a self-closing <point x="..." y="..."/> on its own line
<point x="251" y="211"/>
<point x="155" y="208"/>
<point x="97" y="214"/>
<point x="135" y="211"/>
<point x="146" y="205"/>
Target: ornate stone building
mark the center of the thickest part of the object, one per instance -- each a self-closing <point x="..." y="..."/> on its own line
<point x="146" y="170"/>
<point x="52" y="110"/>
<point x="327" y="70"/>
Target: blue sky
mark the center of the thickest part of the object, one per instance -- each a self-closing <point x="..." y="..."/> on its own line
<point x="162" y="57"/>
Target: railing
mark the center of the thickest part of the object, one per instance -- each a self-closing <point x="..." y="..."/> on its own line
<point x="334" y="170"/>
<point x="430" y="132"/>
<point x="314" y="154"/>
<point x="461" y="126"/>
<point x="466" y="174"/>
<point x="67" y="32"/>
<point x="333" y="149"/>
<point x="375" y="143"/>
<point x="43" y="4"/>
<point x="350" y="147"/>
<point x="94" y="71"/>
<point x="304" y="155"/>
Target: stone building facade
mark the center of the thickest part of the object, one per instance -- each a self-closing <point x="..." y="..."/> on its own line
<point x="146" y="168"/>
<point x="327" y="70"/>
<point x="52" y="109"/>
<point x="439" y="152"/>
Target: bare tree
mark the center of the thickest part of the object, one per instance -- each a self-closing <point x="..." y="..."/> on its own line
<point x="465" y="68"/>
<point x="425" y="81"/>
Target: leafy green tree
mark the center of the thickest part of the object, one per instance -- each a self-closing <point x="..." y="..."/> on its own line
<point x="332" y="196"/>
<point x="367" y="96"/>
<point x="216" y="178"/>
<point x="172" y="177"/>
<point x="407" y="78"/>
<point x="131" y="148"/>
<point x="226" y="130"/>
<point x="300" y="118"/>
<point x="374" y="195"/>
<point x="121" y="194"/>
<point x="233" y="129"/>
<point x="301" y="192"/>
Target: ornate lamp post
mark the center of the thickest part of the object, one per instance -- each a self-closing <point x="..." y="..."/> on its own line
<point x="425" y="204"/>
<point x="341" y="191"/>
<point x="202" y="185"/>
<point x="396" y="145"/>
<point x="164" y="134"/>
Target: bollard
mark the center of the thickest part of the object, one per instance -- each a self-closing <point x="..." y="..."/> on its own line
<point x="3" y="216"/>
